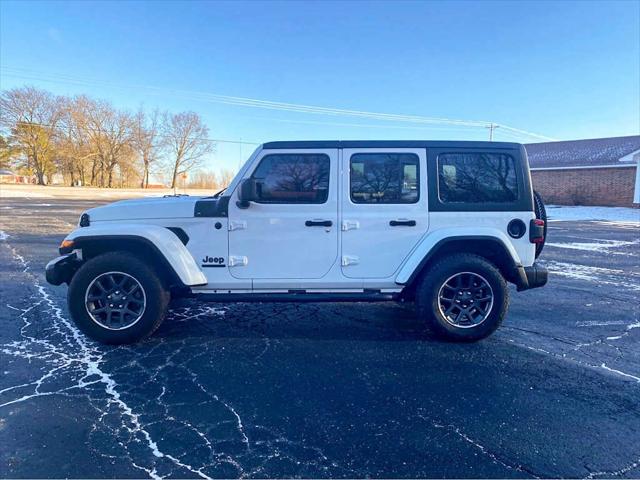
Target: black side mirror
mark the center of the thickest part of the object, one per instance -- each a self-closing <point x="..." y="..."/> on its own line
<point x="247" y="192"/>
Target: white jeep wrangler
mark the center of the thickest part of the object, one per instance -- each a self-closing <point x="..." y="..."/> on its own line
<point x="443" y="224"/>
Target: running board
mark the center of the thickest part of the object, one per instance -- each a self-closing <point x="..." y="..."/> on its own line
<point x="297" y="297"/>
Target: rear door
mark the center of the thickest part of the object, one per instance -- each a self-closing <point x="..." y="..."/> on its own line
<point x="384" y="209"/>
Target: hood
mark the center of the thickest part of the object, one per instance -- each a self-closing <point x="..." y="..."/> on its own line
<point x="145" y="208"/>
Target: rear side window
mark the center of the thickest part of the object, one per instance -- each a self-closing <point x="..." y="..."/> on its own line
<point x="293" y="178"/>
<point x="477" y="177"/>
<point x="384" y="178"/>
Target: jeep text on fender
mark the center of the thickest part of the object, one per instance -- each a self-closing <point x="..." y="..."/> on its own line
<point x="443" y="224"/>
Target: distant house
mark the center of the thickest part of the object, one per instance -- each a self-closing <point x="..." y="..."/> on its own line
<point x="7" y="176"/>
<point x="599" y="171"/>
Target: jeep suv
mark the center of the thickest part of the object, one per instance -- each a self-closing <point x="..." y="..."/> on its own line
<point x="445" y="225"/>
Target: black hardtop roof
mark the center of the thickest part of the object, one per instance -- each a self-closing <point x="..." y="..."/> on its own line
<point x="387" y="144"/>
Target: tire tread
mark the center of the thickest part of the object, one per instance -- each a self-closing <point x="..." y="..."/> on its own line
<point x="431" y="280"/>
<point x="157" y="297"/>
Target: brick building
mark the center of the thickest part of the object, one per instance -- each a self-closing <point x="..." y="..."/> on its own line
<point x="600" y="171"/>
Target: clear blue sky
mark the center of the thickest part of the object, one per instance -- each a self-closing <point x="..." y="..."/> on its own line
<point x="561" y="69"/>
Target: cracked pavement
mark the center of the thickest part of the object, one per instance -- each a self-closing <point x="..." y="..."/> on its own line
<point x="324" y="390"/>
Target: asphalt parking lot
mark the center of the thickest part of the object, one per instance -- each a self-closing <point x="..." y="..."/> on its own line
<point x="327" y="390"/>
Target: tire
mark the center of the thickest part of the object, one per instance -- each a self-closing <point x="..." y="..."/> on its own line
<point x="145" y="308"/>
<point x="447" y="270"/>
<point x="541" y="213"/>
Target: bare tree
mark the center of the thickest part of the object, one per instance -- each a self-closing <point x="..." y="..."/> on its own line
<point x="204" y="179"/>
<point x="90" y="142"/>
<point x="76" y="150"/>
<point x="187" y="143"/>
<point x="225" y="177"/>
<point x="147" y="141"/>
<point x="111" y="133"/>
<point x="32" y="117"/>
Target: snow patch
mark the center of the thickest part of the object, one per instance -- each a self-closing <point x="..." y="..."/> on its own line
<point x="581" y="272"/>
<point x="623" y="215"/>
<point x="618" y="372"/>
<point x="607" y="276"/>
<point x="604" y="323"/>
<point x="600" y="246"/>
<point x="11" y="193"/>
<point x="3" y="235"/>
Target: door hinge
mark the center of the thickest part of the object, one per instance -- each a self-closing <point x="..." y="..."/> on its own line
<point x="350" y="260"/>
<point x="350" y="225"/>
<point x="237" y="225"/>
<point x="238" y="261"/>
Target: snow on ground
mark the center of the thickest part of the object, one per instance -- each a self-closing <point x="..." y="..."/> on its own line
<point x="617" y="215"/>
<point x="89" y="193"/>
<point x="600" y="246"/>
<point x="608" y="276"/>
<point x="14" y="193"/>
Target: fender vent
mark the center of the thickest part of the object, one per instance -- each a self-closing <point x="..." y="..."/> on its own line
<point x="180" y="233"/>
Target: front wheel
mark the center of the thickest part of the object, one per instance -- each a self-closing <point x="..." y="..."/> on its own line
<point x="115" y="298"/>
<point x="462" y="298"/>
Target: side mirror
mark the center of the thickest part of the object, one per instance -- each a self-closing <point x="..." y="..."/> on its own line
<point x="247" y="192"/>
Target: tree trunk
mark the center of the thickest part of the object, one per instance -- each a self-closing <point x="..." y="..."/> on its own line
<point x="144" y="183"/>
<point x="174" y="176"/>
<point x="39" y="170"/>
<point x="93" y="172"/>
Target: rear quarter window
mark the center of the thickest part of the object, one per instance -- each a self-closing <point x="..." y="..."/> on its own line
<point x="477" y="177"/>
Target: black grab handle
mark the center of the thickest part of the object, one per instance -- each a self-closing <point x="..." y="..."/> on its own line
<point x="402" y="223"/>
<point x="318" y="223"/>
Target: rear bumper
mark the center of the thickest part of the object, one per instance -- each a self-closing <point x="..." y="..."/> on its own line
<point x="61" y="269"/>
<point x="532" y="277"/>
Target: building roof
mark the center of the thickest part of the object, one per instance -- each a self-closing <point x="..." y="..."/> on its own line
<point x="386" y="144"/>
<point x="4" y="171"/>
<point x="593" y="152"/>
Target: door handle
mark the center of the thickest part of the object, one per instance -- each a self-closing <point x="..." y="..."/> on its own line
<point x="318" y="223"/>
<point x="402" y="223"/>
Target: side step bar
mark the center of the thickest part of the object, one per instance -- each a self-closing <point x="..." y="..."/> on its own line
<point x="297" y="297"/>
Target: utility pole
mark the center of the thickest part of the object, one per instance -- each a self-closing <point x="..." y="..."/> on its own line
<point x="491" y="128"/>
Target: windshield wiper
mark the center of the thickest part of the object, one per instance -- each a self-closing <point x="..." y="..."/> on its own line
<point x="217" y="194"/>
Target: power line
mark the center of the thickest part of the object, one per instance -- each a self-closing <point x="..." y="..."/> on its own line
<point x="367" y="125"/>
<point x="265" y="104"/>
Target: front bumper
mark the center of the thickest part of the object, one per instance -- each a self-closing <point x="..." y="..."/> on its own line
<point x="532" y="277"/>
<point x="61" y="269"/>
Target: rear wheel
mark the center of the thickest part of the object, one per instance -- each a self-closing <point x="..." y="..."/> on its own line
<point x="462" y="298"/>
<point x="115" y="298"/>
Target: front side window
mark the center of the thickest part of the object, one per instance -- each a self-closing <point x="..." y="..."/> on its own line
<point x="477" y="177"/>
<point x="384" y="178"/>
<point x="293" y="178"/>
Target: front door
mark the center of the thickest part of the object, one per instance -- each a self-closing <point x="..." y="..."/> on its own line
<point x="291" y="230"/>
<point x="384" y="209"/>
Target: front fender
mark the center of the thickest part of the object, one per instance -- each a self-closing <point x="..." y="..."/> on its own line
<point x="165" y="242"/>
<point x="432" y="240"/>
